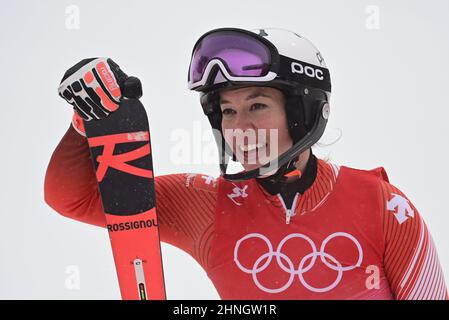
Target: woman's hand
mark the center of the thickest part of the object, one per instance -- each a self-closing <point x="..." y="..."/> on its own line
<point x="95" y="87"/>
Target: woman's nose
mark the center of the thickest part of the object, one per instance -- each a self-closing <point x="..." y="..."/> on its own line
<point x="243" y="122"/>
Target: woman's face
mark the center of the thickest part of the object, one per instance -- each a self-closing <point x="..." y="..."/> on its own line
<point x="254" y="124"/>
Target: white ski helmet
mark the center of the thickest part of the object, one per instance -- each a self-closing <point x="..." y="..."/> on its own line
<point x="277" y="58"/>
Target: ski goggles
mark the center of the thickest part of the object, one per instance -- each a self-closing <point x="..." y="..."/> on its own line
<point x="240" y="55"/>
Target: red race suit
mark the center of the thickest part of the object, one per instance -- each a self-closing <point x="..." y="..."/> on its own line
<point x="350" y="235"/>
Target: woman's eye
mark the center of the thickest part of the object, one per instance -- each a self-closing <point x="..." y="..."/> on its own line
<point x="227" y="111"/>
<point x="258" y="106"/>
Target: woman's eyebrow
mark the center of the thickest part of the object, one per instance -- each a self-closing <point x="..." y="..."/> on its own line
<point x="251" y="96"/>
<point x="258" y="94"/>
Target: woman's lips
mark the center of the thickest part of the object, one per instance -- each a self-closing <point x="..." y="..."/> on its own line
<point x="251" y="147"/>
<point x="253" y="153"/>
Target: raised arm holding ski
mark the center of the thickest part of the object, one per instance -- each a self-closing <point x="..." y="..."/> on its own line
<point x="71" y="187"/>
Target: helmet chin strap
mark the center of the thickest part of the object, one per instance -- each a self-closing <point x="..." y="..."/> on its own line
<point x="282" y="171"/>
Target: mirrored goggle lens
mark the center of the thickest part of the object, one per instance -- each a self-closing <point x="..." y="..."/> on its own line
<point x="242" y="55"/>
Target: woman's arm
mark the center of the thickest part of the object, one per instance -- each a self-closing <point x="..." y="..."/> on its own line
<point x="185" y="204"/>
<point x="410" y="259"/>
<point x="70" y="186"/>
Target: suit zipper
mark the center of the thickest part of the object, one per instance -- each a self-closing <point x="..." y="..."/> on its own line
<point x="289" y="212"/>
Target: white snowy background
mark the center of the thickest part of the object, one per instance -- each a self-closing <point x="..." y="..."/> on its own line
<point x="389" y="66"/>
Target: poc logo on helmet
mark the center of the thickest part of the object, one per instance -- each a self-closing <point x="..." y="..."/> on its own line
<point x="307" y="70"/>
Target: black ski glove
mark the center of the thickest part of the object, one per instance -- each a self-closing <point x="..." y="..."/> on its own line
<point x="96" y="86"/>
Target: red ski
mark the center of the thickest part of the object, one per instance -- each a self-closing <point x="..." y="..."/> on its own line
<point x="120" y="147"/>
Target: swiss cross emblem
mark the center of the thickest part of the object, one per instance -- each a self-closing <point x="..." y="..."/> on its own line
<point x="199" y="181"/>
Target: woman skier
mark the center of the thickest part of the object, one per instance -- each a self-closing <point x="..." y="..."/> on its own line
<point x="290" y="225"/>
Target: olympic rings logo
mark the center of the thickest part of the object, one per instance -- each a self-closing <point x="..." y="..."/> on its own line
<point x="302" y="267"/>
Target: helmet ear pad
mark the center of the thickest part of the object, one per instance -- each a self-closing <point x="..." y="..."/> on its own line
<point x="302" y="112"/>
<point x="295" y="114"/>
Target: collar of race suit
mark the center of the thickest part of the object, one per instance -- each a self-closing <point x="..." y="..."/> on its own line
<point x="289" y="189"/>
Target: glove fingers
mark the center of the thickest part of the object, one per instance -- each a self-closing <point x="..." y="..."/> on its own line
<point x="95" y="87"/>
<point x="91" y="87"/>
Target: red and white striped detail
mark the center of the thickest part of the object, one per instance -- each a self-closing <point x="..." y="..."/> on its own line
<point x="424" y="278"/>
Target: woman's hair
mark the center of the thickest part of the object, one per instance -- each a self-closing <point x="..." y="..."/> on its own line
<point x="321" y="144"/>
